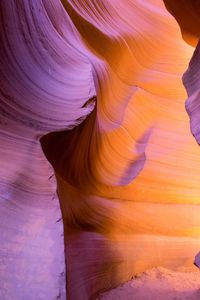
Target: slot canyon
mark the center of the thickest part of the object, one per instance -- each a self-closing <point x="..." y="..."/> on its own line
<point x="99" y="144"/>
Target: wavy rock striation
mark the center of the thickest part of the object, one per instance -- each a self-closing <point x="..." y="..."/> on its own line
<point x="99" y="83"/>
<point x="44" y="85"/>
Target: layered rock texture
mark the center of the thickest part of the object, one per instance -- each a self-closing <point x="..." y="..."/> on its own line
<point x="92" y="104"/>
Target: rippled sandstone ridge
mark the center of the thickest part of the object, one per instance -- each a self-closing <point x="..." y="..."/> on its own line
<point x="99" y="167"/>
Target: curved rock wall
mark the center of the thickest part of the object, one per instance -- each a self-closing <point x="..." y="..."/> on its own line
<point x="99" y="83"/>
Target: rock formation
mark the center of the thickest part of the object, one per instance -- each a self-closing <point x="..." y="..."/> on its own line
<point x="95" y="89"/>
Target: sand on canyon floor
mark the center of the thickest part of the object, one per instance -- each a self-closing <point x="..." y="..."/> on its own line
<point x="158" y="284"/>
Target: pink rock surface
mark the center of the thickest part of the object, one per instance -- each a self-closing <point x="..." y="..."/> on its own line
<point x="99" y="83"/>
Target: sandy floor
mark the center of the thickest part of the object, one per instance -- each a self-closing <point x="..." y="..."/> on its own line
<point x="158" y="284"/>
